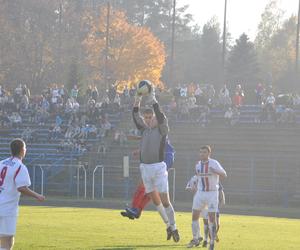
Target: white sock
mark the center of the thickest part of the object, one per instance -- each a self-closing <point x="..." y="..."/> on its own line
<point x="206" y="232"/>
<point x="161" y="210"/>
<point x="196" y="229"/>
<point x="171" y="216"/>
<point x="212" y="231"/>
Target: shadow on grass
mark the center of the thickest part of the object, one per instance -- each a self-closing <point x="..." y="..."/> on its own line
<point x="134" y="247"/>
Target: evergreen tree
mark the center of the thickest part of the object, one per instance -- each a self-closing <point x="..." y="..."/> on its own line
<point x="211" y="53"/>
<point x="242" y="63"/>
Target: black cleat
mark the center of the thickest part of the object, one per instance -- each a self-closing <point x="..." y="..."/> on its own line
<point x="204" y="244"/>
<point x="169" y="233"/>
<point x="133" y="212"/>
<point x="193" y="243"/>
<point x="175" y="235"/>
<point x="125" y="214"/>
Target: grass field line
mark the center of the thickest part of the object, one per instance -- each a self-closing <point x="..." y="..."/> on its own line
<point x="269" y="211"/>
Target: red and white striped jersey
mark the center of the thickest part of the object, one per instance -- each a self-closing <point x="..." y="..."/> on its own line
<point x="13" y="174"/>
<point x="208" y="179"/>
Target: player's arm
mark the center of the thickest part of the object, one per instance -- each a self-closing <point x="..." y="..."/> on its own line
<point x="161" y="119"/>
<point x="192" y="184"/>
<point x="137" y="119"/>
<point x="160" y="116"/>
<point x="22" y="182"/>
<point x="219" y="170"/>
<point x="28" y="192"/>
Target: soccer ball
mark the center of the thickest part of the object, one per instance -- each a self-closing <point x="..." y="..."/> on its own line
<point x="144" y="88"/>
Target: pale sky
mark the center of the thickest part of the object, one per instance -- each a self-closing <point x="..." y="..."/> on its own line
<point x="242" y="15"/>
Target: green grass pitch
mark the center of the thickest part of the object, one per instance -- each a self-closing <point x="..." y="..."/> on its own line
<point x="84" y="228"/>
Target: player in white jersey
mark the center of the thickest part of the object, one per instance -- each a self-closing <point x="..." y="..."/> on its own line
<point x="208" y="172"/>
<point x="14" y="180"/>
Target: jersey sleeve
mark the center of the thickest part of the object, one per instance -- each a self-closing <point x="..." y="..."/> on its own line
<point x="138" y="120"/>
<point x="22" y="178"/>
<point x="161" y="119"/>
<point x="217" y="168"/>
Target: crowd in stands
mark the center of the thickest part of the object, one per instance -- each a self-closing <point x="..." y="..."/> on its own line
<point x="74" y="116"/>
<point x="71" y="118"/>
<point x="195" y="102"/>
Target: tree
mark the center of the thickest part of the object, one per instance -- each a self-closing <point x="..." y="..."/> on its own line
<point x="211" y="53"/>
<point x="157" y="15"/>
<point x="242" y="63"/>
<point x="134" y="52"/>
<point x="282" y="53"/>
<point x="270" y="23"/>
<point x="25" y="42"/>
<point x="275" y="44"/>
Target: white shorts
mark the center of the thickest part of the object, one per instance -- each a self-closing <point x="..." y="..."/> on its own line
<point x="8" y="225"/>
<point x="155" y="177"/>
<point x="206" y="200"/>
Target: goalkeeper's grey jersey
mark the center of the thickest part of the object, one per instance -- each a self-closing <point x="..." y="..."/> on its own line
<point x="152" y="146"/>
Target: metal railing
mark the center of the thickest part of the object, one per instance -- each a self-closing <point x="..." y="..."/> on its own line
<point x="42" y="178"/>
<point x="78" y="180"/>
<point x="121" y="169"/>
<point x="102" y="181"/>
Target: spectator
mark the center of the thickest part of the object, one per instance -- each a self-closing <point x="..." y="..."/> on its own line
<point x="204" y="115"/>
<point x="183" y="91"/>
<point x="24" y="102"/>
<point x="25" y="91"/>
<point x="285" y="114"/>
<point x="55" y="132"/>
<point x="62" y="92"/>
<point x="45" y="104"/>
<point x="237" y="100"/>
<point x="88" y="92"/>
<point x="232" y="116"/>
<point x="224" y="96"/>
<point x="105" y="126"/>
<point x="239" y="95"/>
<point x="111" y="93"/>
<point x="18" y="93"/>
<point x="74" y="92"/>
<point x="270" y="103"/>
<point x="15" y="119"/>
<point x="2" y="92"/>
<point x="94" y="93"/>
<point x="259" y="91"/>
<point x="27" y="135"/>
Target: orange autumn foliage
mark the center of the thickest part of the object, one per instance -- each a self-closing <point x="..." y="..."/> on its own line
<point x="134" y="52"/>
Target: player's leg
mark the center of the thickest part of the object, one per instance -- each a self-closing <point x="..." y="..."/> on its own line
<point x="155" y="197"/>
<point x="197" y="208"/>
<point x="213" y="204"/>
<point x="212" y="224"/>
<point x="7" y="232"/>
<point x="139" y="201"/>
<point x="206" y="229"/>
<point x="218" y="225"/>
<point x="6" y="242"/>
<point x="162" y="185"/>
<point x="148" y="175"/>
<point x="195" y="229"/>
